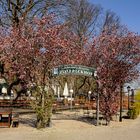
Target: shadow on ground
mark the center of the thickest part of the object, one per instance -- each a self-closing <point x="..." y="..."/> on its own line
<point x="31" y="120"/>
<point x="28" y="121"/>
<point x="86" y="119"/>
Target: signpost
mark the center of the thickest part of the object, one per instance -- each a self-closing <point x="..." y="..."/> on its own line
<point x="73" y="70"/>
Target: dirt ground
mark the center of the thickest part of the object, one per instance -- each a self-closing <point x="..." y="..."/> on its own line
<point x="69" y="126"/>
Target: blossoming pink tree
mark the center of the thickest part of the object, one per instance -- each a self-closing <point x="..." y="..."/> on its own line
<point x="29" y="52"/>
<point x="116" y="58"/>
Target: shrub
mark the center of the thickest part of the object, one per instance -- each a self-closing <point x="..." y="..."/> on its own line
<point x="134" y="112"/>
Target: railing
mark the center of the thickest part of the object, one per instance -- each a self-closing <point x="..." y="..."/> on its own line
<point x="16" y="104"/>
<point x="56" y="105"/>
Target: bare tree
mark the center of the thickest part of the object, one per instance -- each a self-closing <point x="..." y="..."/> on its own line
<point x="111" y="23"/>
<point x="12" y="10"/>
<point x="87" y="19"/>
<point x="82" y="17"/>
<point x="111" y="20"/>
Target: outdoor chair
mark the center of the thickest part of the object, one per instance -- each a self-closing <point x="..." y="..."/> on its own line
<point x="15" y="120"/>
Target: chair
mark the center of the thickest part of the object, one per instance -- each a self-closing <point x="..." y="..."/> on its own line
<point x="15" y="119"/>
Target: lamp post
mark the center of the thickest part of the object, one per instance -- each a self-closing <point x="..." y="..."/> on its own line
<point x="128" y="89"/>
<point x="97" y="98"/>
<point x="121" y="94"/>
<point x="71" y="92"/>
<point x="89" y="95"/>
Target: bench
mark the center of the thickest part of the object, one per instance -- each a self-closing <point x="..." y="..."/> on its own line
<point x="5" y="117"/>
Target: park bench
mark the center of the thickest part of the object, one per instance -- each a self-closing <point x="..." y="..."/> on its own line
<point x="5" y="117"/>
<point x="8" y="118"/>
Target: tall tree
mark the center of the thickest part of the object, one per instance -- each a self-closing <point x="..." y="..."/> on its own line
<point x="13" y="10"/>
<point x="29" y="52"/>
<point x="82" y="17"/>
<point x="112" y="24"/>
<point x="116" y="59"/>
<point x="111" y="21"/>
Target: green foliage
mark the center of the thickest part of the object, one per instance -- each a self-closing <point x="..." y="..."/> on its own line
<point x="137" y="102"/>
<point x="134" y="112"/>
<point x="43" y="107"/>
<point x="137" y="96"/>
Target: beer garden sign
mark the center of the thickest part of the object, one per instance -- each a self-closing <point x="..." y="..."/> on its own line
<point x="73" y="70"/>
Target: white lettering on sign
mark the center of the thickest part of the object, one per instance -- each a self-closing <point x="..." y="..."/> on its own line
<point x="73" y="70"/>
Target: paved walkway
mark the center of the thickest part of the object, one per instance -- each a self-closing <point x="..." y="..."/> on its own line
<point x="127" y="130"/>
<point x="73" y="130"/>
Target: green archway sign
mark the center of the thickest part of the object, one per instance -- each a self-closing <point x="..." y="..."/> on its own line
<point x="73" y="70"/>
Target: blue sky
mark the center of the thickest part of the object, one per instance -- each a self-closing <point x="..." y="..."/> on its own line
<point x="127" y="10"/>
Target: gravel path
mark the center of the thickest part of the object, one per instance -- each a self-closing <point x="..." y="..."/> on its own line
<point x="73" y="130"/>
